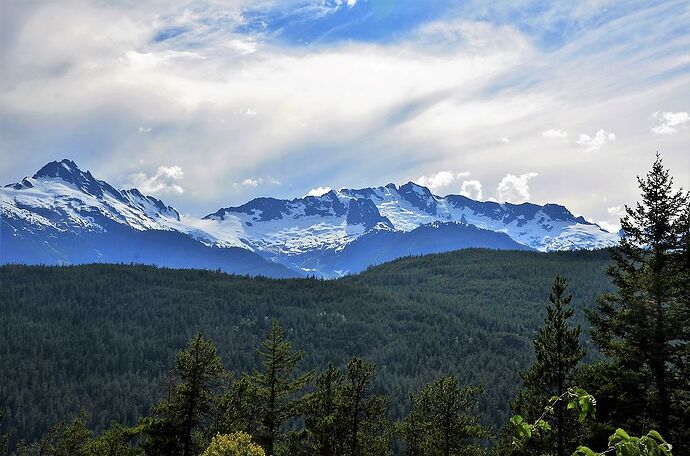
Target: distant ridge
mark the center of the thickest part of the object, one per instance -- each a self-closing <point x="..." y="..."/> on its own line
<point x="63" y="215"/>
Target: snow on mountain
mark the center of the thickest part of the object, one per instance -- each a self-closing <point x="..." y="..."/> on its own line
<point x="329" y="235"/>
<point x="63" y="198"/>
<point x="331" y="221"/>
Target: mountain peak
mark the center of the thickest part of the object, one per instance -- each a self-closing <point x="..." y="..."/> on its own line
<point x="62" y="169"/>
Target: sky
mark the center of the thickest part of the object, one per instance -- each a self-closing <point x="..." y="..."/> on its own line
<point x="207" y="104"/>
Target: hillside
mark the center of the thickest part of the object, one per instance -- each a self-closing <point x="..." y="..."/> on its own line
<point x="101" y="337"/>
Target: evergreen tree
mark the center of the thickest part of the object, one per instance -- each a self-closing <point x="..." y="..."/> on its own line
<point x="643" y="326"/>
<point x="185" y="409"/>
<point x="440" y="422"/>
<point x="276" y="385"/>
<point x="558" y="351"/>
<point x="5" y="438"/>
<point x="367" y="429"/>
<point x="238" y="409"/>
<point x="324" y="417"/>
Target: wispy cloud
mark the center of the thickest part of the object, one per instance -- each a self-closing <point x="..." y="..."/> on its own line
<point x="230" y="98"/>
<point x="670" y="122"/>
<point x="596" y="142"/>
<point x="552" y="133"/>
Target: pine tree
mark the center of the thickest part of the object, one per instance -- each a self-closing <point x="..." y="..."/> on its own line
<point x="558" y="351"/>
<point x="441" y="422"/>
<point x="276" y="386"/>
<point x="183" y="412"/>
<point x="643" y="326"/>
<point x="367" y="429"/>
<point x="324" y="417"/>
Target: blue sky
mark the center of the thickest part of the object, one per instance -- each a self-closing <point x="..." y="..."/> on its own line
<point x="210" y="103"/>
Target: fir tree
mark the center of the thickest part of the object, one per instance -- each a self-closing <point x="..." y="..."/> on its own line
<point x="643" y="326"/>
<point x="182" y="413"/>
<point x="558" y="351"/>
<point x="276" y="386"/>
<point x="367" y="429"/>
<point x="441" y="422"/>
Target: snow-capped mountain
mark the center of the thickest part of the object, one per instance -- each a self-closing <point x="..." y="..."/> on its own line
<point x="63" y="215"/>
<point x="51" y="216"/>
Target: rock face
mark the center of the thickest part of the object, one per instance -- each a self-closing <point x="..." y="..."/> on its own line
<point x="64" y="215"/>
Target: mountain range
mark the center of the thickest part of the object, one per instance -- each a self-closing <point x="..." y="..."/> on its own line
<point x="63" y="215"/>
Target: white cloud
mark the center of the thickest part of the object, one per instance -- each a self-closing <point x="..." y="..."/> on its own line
<point x="616" y="211"/>
<point x="504" y="139"/>
<point x="318" y="191"/>
<point x="514" y="189"/>
<point x="144" y="130"/>
<point x="596" y="142"/>
<point x="252" y="182"/>
<point x="164" y="181"/>
<point x="255" y="182"/>
<point x="551" y="133"/>
<point x="670" y="122"/>
<point x="439" y="180"/>
<point x="471" y="189"/>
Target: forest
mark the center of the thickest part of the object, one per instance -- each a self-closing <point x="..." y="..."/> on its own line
<point x="465" y="353"/>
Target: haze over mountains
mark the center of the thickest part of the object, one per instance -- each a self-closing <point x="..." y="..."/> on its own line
<point x="63" y="215"/>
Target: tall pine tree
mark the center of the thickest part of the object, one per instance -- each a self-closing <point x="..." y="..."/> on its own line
<point x="276" y="385"/>
<point x="186" y="408"/>
<point x="643" y="326"/>
<point x="558" y="351"/>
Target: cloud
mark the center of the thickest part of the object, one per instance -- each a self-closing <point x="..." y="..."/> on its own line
<point x="164" y="181"/>
<point x="252" y="182"/>
<point x="596" y="142"/>
<point x="616" y="211"/>
<point x="255" y="182"/>
<point x="514" y="189"/>
<point x="439" y="180"/>
<point x="504" y="139"/>
<point x="318" y="191"/>
<point x="143" y="130"/>
<point x="554" y="133"/>
<point x="471" y="189"/>
<point x="82" y="76"/>
<point x="670" y="122"/>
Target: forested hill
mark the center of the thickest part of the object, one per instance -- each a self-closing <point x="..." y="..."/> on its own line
<point x="101" y="337"/>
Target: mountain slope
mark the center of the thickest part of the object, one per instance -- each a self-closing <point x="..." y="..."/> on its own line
<point x="63" y="215"/>
<point x="116" y="329"/>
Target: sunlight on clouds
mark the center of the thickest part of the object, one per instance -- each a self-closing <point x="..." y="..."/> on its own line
<point x="440" y="180"/>
<point x="514" y="189"/>
<point x="164" y="181"/>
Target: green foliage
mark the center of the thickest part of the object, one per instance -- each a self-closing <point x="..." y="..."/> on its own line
<point x="101" y="337"/>
<point x="184" y="411"/>
<point x="276" y="386"/>
<point x="558" y="351"/>
<point x="236" y="444"/>
<point x="643" y="326"/>
<point x="442" y="420"/>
